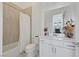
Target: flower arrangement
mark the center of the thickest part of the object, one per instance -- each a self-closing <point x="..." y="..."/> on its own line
<point x="69" y="29"/>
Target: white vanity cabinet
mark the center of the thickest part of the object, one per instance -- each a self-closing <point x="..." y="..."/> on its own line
<point x="46" y="50"/>
<point x="50" y="48"/>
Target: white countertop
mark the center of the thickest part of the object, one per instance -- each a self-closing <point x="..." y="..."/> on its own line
<point x="57" y="38"/>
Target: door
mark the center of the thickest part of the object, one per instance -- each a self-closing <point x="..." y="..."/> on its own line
<point x="64" y="52"/>
<point x="24" y="31"/>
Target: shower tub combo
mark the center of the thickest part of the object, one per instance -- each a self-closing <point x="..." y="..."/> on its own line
<point x="11" y="50"/>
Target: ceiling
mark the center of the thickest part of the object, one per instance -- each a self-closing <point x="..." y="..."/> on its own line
<point x="53" y="4"/>
<point x="23" y="5"/>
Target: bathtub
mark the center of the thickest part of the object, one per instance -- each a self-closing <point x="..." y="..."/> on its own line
<point x="11" y="50"/>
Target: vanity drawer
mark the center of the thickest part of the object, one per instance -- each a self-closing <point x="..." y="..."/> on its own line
<point x="54" y="42"/>
<point x="58" y="43"/>
<point x="69" y="45"/>
<point x="48" y="41"/>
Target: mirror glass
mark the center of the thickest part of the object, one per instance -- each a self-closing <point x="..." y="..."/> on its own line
<point x="57" y="23"/>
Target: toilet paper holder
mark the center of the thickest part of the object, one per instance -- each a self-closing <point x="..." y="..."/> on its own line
<point x="36" y="36"/>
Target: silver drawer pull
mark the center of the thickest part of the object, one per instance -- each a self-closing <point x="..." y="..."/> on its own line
<point x="73" y="43"/>
<point x="52" y="50"/>
<point x="77" y="44"/>
<point x="55" y="50"/>
<point x="70" y="46"/>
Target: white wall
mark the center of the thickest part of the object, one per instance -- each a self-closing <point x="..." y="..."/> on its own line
<point x="76" y="9"/>
<point x="1" y="27"/>
<point x="37" y="15"/>
<point x="36" y="20"/>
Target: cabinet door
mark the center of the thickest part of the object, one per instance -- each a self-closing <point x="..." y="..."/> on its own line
<point x="46" y="50"/>
<point x="64" y="52"/>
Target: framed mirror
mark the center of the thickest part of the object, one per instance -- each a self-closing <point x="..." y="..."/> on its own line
<point x="57" y="23"/>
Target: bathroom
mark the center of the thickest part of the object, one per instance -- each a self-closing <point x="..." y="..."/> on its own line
<point x="17" y="33"/>
<point x="60" y="29"/>
<point x="33" y="29"/>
